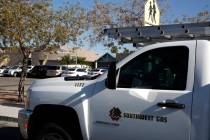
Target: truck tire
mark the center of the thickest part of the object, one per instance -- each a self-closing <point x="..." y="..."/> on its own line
<point x="52" y="131"/>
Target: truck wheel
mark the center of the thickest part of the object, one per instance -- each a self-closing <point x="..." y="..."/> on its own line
<point x="52" y="131"/>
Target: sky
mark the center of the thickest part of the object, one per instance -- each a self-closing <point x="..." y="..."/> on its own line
<point x="177" y="8"/>
<point x="187" y="7"/>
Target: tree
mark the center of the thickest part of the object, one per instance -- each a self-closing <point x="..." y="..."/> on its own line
<point x="201" y="16"/>
<point x="29" y="24"/>
<point x="4" y="60"/>
<point x="81" y="61"/>
<point x="66" y="60"/>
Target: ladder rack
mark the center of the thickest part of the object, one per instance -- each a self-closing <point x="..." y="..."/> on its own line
<point x="152" y="34"/>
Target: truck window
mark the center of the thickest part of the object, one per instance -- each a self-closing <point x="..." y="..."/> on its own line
<point x="163" y="68"/>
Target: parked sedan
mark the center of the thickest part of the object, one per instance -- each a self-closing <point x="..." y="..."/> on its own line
<point x="74" y="72"/>
<point x="97" y="72"/>
<point x="2" y="69"/>
<point x="12" y="71"/>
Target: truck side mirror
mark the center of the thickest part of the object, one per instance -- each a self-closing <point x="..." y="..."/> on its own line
<point x="111" y="77"/>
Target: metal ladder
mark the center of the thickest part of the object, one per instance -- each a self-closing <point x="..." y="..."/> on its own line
<point x="140" y="36"/>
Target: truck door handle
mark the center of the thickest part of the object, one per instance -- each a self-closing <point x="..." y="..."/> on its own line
<point x="171" y="104"/>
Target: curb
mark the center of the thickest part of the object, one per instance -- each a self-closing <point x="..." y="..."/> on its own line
<point x="8" y="119"/>
<point x="9" y="112"/>
<point x="9" y="104"/>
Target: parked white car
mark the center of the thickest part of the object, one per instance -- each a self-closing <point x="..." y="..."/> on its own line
<point x="87" y="69"/>
<point x="53" y="71"/>
<point x="2" y="69"/>
<point x="29" y="68"/>
<point x="98" y="71"/>
<point x="12" y="71"/>
<point x="74" y="72"/>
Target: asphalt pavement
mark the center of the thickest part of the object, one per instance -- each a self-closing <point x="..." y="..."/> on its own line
<point x="8" y="110"/>
<point x="11" y="83"/>
<point x="9" y="131"/>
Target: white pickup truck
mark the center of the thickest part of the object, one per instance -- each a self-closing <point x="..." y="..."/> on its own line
<point x="160" y="92"/>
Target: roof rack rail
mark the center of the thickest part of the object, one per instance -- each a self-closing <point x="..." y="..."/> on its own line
<point x="140" y="36"/>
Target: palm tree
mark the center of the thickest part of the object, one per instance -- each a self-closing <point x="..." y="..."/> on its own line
<point x="66" y="60"/>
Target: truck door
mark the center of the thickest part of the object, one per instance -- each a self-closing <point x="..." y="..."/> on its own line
<point x="153" y="96"/>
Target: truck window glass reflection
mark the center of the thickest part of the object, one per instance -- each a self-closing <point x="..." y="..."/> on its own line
<point x="162" y="68"/>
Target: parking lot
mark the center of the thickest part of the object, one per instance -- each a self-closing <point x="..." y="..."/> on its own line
<point x="9" y="130"/>
<point x="11" y="83"/>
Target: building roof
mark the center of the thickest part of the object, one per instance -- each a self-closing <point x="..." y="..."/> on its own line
<point x="89" y="56"/>
<point x="106" y="57"/>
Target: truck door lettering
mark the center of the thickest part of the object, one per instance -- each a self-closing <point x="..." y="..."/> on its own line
<point x="115" y="115"/>
<point x="138" y="116"/>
